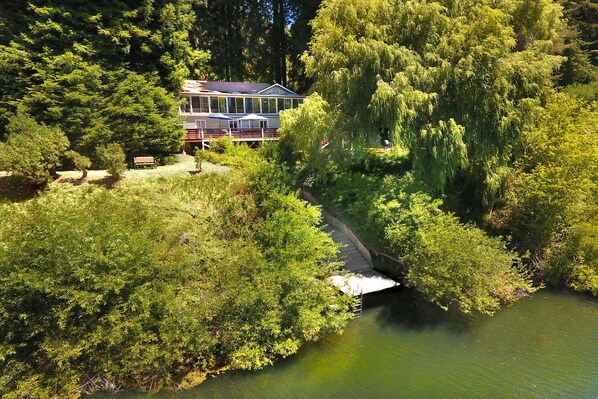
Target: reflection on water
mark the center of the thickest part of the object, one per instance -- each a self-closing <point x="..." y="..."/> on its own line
<point x="546" y="346"/>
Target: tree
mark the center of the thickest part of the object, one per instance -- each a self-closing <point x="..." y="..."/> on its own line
<point x="32" y="150"/>
<point x="463" y="77"/>
<point x="200" y="156"/>
<point x="71" y="93"/>
<point x="112" y="158"/>
<point x="81" y="162"/>
<point x="143" y="117"/>
<point x="551" y="200"/>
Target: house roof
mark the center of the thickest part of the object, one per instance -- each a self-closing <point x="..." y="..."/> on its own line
<point x="203" y="86"/>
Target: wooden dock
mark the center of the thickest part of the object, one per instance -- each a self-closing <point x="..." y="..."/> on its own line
<point x="362" y="279"/>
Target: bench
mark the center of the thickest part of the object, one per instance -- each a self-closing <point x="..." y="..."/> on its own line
<point x="144" y="161"/>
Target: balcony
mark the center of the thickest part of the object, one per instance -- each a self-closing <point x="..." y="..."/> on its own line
<point x="237" y="134"/>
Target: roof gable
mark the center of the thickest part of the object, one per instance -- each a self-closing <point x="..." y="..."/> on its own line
<point x="277" y="89"/>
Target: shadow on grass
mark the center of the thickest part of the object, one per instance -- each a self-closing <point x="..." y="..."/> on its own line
<point x="73" y="181"/>
<point x="106" y="182"/>
<point x="16" y="189"/>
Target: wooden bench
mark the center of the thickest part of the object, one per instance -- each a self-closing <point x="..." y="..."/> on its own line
<point x="144" y="161"/>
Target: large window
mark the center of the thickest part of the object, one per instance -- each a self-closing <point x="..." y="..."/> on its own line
<point x="214" y="105"/>
<point x="265" y="106"/>
<point x="235" y="105"/>
<point x="256" y="105"/>
<point x="218" y="105"/>
<point x="186" y="106"/>
<point x="284" y="103"/>
<point x="249" y="106"/>
<point x="199" y="104"/>
<point x="272" y="102"/>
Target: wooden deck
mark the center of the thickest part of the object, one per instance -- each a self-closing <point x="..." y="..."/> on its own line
<point x="241" y="134"/>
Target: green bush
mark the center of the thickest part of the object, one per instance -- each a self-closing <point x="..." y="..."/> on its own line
<point x="149" y="281"/>
<point x="200" y="156"/>
<point x="221" y="145"/>
<point x="450" y="262"/>
<point x="32" y="150"/>
<point x="81" y="162"/>
<point x="112" y="158"/>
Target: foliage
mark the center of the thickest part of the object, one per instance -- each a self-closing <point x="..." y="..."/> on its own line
<point x="200" y="156"/>
<point x="81" y="162"/>
<point x="255" y="40"/>
<point x="451" y="263"/>
<point x="112" y="158"/>
<point x="587" y="92"/>
<point x="304" y="129"/>
<point x="553" y="195"/>
<point x="32" y="150"/>
<point x="94" y="107"/>
<point x="142" y="117"/>
<point x="221" y="145"/>
<point x="149" y="281"/>
<point x="143" y="37"/>
<point x="451" y="80"/>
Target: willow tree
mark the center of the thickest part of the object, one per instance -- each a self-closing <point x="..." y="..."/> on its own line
<point x="452" y="80"/>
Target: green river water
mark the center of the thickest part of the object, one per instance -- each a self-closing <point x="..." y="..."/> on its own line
<point x="546" y="346"/>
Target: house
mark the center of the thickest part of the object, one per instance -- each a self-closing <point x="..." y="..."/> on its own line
<point x="242" y="111"/>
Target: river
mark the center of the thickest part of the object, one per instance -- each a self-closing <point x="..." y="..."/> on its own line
<point x="545" y="346"/>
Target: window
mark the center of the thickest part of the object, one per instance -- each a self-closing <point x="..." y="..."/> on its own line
<point x="280" y="104"/>
<point x="245" y="124"/>
<point x="249" y="105"/>
<point x="195" y="104"/>
<point x="222" y="105"/>
<point x="200" y="123"/>
<point x="214" y="105"/>
<point x="256" y="106"/>
<point x="272" y="103"/>
<point x="233" y="124"/>
<point x="287" y="103"/>
<point x="295" y="103"/>
<point x="235" y="105"/>
<point x="265" y="106"/>
<point x="203" y="105"/>
<point x="263" y="124"/>
<point x="186" y="107"/>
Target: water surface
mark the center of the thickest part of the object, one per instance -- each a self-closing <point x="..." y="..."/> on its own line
<point x="546" y="346"/>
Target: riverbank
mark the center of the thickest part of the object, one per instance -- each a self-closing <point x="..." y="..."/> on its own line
<point x="404" y="347"/>
<point x="146" y="285"/>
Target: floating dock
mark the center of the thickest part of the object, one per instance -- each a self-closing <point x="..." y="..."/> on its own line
<point x="362" y="279"/>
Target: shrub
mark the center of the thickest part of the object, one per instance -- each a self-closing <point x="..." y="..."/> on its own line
<point x="112" y="158"/>
<point x="81" y="162"/>
<point x="221" y="145"/>
<point x="147" y="282"/>
<point x="200" y="156"/>
<point x="32" y="150"/>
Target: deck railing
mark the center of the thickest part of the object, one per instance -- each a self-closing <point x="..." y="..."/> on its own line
<point x="194" y="135"/>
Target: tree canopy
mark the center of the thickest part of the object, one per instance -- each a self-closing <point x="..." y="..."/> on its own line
<point x="452" y="80"/>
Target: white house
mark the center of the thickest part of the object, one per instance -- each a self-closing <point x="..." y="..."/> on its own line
<point x="242" y="111"/>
